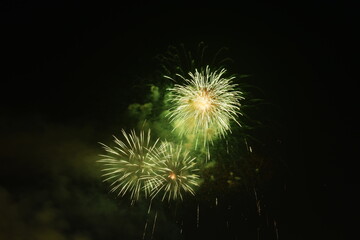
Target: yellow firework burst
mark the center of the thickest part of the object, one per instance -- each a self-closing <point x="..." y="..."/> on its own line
<point x="175" y="172"/>
<point x="203" y="107"/>
<point x="127" y="165"/>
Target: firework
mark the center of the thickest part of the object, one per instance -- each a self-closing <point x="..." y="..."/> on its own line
<point x="127" y="165"/>
<point x="174" y="170"/>
<point x="204" y="106"/>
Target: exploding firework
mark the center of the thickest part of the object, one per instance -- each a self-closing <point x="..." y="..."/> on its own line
<point x="174" y="170"/>
<point x="127" y="165"/>
<point x="204" y="106"/>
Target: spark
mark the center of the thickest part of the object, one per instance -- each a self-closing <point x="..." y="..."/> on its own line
<point x="144" y="232"/>
<point x="127" y="165"/>
<point x="149" y="208"/>
<point x="154" y="224"/>
<point x="197" y="216"/>
<point x="277" y="231"/>
<point x="174" y="170"/>
<point x="182" y="225"/>
<point x="205" y="104"/>
<point x="257" y="202"/>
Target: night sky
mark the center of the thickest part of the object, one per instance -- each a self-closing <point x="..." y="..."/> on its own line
<point x="70" y="71"/>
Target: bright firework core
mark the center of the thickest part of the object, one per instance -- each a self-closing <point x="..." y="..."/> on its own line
<point x="172" y="176"/>
<point x="203" y="101"/>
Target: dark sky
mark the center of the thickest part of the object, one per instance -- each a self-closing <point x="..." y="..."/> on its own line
<point x="70" y="70"/>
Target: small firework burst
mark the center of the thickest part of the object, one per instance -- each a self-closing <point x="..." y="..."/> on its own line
<point x="174" y="170"/>
<point x="204" y="106"/>
<point x="127" y="164"/>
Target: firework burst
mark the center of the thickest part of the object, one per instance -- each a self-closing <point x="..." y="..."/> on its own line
<point x="204" y="106"/>
<point x="127" y="165"/>
<point x="174" y="170"/>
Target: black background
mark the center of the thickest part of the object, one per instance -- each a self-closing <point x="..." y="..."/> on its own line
<point x="69" y="71"/>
